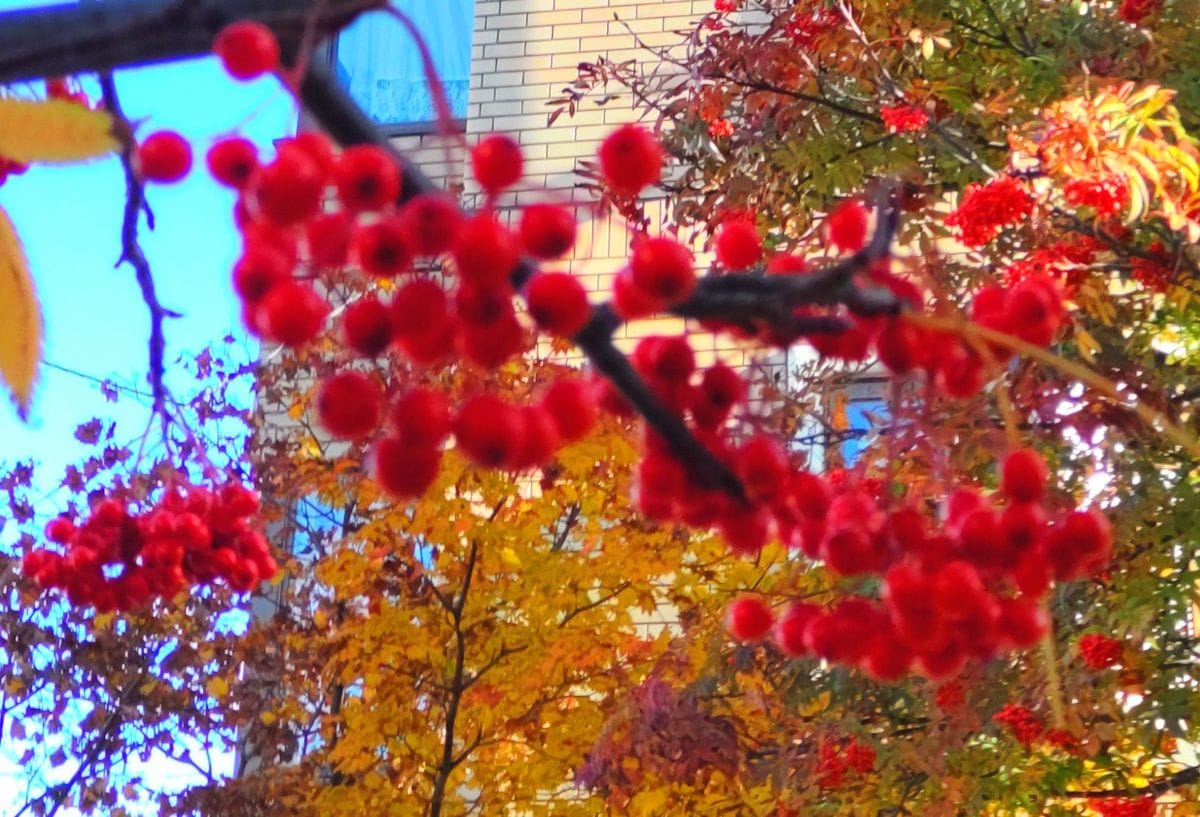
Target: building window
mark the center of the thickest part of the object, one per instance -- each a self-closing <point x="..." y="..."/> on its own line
<point x="377" y="61"/>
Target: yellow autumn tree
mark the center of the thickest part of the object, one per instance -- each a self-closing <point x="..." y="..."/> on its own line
<point x="452" y="655"/>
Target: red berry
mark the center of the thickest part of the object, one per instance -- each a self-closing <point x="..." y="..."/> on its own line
<point x="669" y="360"/>
<point x="316" y="147"/>
<point x="381" y="249"/>
<point x="259" y="270"/>
<point x="419" y="308"/>
<point x="431" y="222"/>
<point x="572" y="404"/>
<point x="763" y="467"/>
<point x="630" y="159"/>
<point x="263" y="233"/>
<point x="631" y="301"/>
<point x="485" y="251"/>
<point x="164" y="157"/>
<point x="328" y="238"/>
<point x="289" y="189"/>
<point x="492" y="345"/>
<point x="737" y="244"/>
<point x="1023" y="622"/>
<point x="489" y="431"/>
<point x="350" y="405"/>
<point x="748" y="618"/>
<point x="60" y="530"/>
<point x="539" y="439"/>
<point x="557" y="302"/>
<point x="421" y="418"/>
<point x="547" y="230"/>
<point x="900" y="346"/>
<point x="366" y="178"/>
<point x="960" y="372"/>
<point x="721" y="388"/>
<point x="888" y="659"/>
<point x="496" y="163"/>
<point x="367" y="326"/>
<point x="292" y="313"/>
<point x="1024" y="476"/>
<point x="789" y="630"/>
<point x="232" y="161"/>
<point x="783" y="264"/>
<point x="247" y="49"/>
<point x="405" y="471"/>
<point x="846" y="226"/>
<point x="663" y="269"/>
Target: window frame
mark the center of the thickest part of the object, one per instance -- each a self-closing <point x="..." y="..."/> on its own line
<point x="458" y="125"/>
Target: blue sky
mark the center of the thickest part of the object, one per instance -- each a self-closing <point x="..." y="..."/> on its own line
<point x="95" y="321"/>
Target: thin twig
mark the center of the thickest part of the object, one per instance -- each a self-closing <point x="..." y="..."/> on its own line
<point x="132" y="254"/>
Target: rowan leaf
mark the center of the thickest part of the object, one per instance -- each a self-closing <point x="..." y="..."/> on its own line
<point x="53" y="131"/>
<point x="20" y="319"/>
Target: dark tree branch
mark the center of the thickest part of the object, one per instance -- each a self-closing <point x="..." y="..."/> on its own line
<point x="76" y="38"/>
<point x="132" y="254"/>
<point x="1183" y="777"/>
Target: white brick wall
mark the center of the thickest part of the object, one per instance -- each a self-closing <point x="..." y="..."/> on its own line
<point x="524" y="53"/>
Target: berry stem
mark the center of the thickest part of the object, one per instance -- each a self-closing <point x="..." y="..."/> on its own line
<point x="1053" y="677"/>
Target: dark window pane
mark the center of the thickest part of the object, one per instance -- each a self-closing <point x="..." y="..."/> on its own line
<point x="378" y="62"/>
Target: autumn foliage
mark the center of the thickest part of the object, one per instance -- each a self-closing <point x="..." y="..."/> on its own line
<point x="523" y="568"/>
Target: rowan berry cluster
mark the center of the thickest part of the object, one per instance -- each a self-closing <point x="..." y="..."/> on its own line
<point x="1106" y="196"/>
<point x="1123" y="806"/>
<point x="903" y="118"/>
<point x="986" y="209"/>
<point x="120" y="559"/>
<point x="1100" y="651"/>
<point x="1025" y="726"/>
<point x="966" y="587"/>
<point x="1135" y="12"/>
<point x="837" y="760"/>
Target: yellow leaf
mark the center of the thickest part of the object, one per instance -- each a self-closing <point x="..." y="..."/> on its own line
<point x="1088" y="345"/>
<point x="53" y="130"/>
<point x="510" y="558"/>
<point x="217" y="687"/>
<point x="20" y="318"/>
<point x="817" y="704"/>
<point x="267" y="718"/>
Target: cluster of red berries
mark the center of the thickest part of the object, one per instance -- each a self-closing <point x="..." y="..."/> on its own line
<point x="1067" y="263"/>
<point x="1025" y="726"/>
<point x="117" y="559"/>
<point x="970" y="587"/>
<point x="490" y="431"/>
<point x="1135" y="11"/>
<point x="1106" y="195"/>
<point x="810" y="22"/>
<point x="903" y="118"/>
<point x="1100" y="651"/>
<point x="1123" y="806"/>
<point x="837" y="760"/>
<point x="986" y="209"/>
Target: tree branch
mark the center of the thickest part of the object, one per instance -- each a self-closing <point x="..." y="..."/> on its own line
<point x="1183" y="777"/>
<point x="132" y="254"/>
<point x="77" y="38"/>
